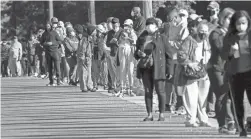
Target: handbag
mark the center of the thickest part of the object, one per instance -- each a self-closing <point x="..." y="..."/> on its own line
<point x="197" y="73"/>
<point x="146" y="62"/>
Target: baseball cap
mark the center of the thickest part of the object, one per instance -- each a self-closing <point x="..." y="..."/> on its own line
<point x="213" y="5"/>
<point x="115" y="20"/>
<point x="128" y="22"/>
<point x="151" y="20"/>
<point x="100" y="28"/>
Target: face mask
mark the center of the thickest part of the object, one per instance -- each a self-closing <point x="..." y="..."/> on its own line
<point x="151" y="28"/>
<point x="132" y="14"/>
<point x="211" y="12"/>
<point x="242" y="27"/>
<point x="202" y="36"/>
<point x="73" y="33"/>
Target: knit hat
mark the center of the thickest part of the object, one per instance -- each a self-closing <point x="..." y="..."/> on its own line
<point x="151" y="20"/>
<point x="100" y="28"/>
<point x="54" y="20"/>
<point x="136" y="9"/>
<point x="69" y="30"/>
<point x="213" y="5"/>
<point x="90" y="29"/>
<point x="79" y="29"/>
<point x="115" y="20"/>
<point x="109" y="19"/>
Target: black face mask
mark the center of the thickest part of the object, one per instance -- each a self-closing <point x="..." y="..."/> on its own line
<point x="202" y="36"/>
<point x="211" y="12"/>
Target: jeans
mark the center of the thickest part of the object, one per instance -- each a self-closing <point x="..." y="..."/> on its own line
<point x="53" y="58"/>
<point x="223" y="102"/>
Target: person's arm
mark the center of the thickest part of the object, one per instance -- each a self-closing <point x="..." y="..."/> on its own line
<point x="58" y="39"/>
<point x="226" y="54"/>
<point x="67" y="45"/>
<point x="141" y="26"/>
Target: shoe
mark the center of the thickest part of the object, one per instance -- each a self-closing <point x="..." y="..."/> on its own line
<point x="161" y="119"/>
<point x="105" y="87"/>
<point x="85" y="90"/>
<point x="203" y="124"/>
<point x="51" y="84"/>
<point x="191" y="124"/>
<point x="148" y="119"/>
<point x="93" y="90"/>
<point x="60" y="83"/>
<point x="211" y="114"/>
<point x="42" y="76"/>
<point x="223" y="130"/>
<point x="243" y="133"/>
<point x="111" y="91"/>
<point x="181" y="111"/>
<point x="231" y="128"/>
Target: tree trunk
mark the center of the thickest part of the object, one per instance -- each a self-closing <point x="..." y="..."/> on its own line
<point x="50" y="9"/>
<point x="91" y="12"/>
<point x="147" y="8"/>
<point x="45" y="12"/>
<point x="14" y="20"/>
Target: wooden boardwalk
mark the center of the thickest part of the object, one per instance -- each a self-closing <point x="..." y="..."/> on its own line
<point x="32" y="111"/>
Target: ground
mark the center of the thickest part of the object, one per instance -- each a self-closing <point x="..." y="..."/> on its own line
<point x="30" y="110"/>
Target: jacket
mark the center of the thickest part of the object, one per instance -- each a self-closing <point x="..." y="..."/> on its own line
<point x="139" y="24"/>
<point x="16" y="50"/>
<point x="185" y="55"/>
<point x="161" y="52"/>
<point x="84" y="49"/>
<point x="51" y="36"/>
<point x="71" y="46"/>
<point x="216" y="42"/>
<point x="229" y="40"/>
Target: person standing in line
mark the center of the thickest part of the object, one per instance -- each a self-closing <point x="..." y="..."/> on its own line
<point x="176" y="31"/>
<point x="194" y="50"/>
<point x="138" y="21"/>
<point x="127" y="42"/>
<point x="24" y="60"/>
<point x="83" y="58"/>
<point x="223" y="110"/>
<point x="155" y="49"/>
<point x="236" y="51"/>
<point x="15" y="55"/>
<point x="51" y="42"/>
<point x="5" y="47"/>
<point x="112" y="59"/>
<point x="32" y="46"/>
<point x="213" y="13"/>
<point x="71" y="45"/>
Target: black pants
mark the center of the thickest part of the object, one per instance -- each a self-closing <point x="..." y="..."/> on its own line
<point x="4" y="67"/>
<point x="42" y="64"/>
<point x="241" y="83"/>
<point x="149" y="84"/>
<point x="223" y="104"/>
<point x="53" y="58"/>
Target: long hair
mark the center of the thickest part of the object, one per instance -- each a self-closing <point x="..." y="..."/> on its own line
<point x="237" y="15"/>
<point x="224" y="14"/>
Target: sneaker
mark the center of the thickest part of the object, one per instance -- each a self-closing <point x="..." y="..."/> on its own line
<point x="203" y="124"/>
<point x="42" y="76"/>
<point x="211" y="114"/>
<point x="231" y="128"/>
<point x="105" y="87"/>
<point x="223" y="130"/>
<point x="50" y="84"/>
<point x="60" y="83"/>
<point x="181" y="111"/>
<point x="191" y="124"/>
<point x="35" y="74"/>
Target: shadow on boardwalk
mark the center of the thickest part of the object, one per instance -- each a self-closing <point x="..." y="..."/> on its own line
<point x="32" y="111"/>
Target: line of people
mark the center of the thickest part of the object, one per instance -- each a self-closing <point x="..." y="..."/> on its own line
<point x="185" y="61"/>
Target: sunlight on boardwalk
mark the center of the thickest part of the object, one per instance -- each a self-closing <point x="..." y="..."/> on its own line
<point x="32" y="111"/>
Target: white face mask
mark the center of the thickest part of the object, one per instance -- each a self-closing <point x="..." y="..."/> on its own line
<point x="242" y="24"/>
<point x="151" y="28"/>
<point x="73" y="33"/>
<point x="132" y="14"/>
